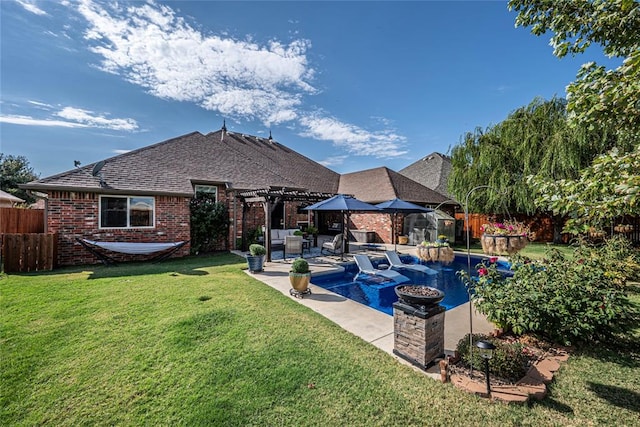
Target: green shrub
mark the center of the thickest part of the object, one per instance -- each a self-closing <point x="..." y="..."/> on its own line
<point x="300" y="266"/>
<point x="509" y="360"/>
<point x="573" y="299"/>
<point x="257" y="250"/>
<point x="312" y="230"/>
<point x="209" y="224"/>
<point x="298" y="233"/>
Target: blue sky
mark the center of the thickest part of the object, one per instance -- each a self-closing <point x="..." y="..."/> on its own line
<point x="353" y="85"/>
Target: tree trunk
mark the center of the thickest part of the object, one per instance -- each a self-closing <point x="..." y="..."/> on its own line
<point x="558" y="224"/>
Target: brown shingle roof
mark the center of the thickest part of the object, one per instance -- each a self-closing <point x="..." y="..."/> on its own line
<point x="172" y="166"/>
<point x="432" y="171"/>
<point x="382" y="184"/>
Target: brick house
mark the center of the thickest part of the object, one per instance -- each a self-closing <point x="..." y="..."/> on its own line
<point x="144" y="195"/>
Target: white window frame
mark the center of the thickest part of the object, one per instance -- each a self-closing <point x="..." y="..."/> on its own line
<point x="206" y="189"/>
<point x="128" y="226"/>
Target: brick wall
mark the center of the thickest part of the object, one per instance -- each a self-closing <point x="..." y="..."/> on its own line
<point x="378" y="222"/>
<point x="75" y="215"/>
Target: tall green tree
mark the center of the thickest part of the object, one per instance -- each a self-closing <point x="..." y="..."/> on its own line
<point x="16" y="170"/>
<point x="607" y="189"/>
<point x="532" y="140"/>
<point x="599" y="97"/>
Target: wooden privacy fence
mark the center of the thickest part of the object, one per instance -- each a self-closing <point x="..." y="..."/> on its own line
<point x="541" y="226"/>
<point x="28" y="252"/>
<point x="15" y="220"/>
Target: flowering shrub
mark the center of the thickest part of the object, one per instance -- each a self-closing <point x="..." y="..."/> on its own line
<point x="579" y="298"/>
<point x="507" y="228"/>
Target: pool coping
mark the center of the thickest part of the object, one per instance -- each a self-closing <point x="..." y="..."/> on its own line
<point x="371" y="325"/>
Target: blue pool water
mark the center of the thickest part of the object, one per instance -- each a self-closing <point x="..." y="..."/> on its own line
<point x="379" y="293"/>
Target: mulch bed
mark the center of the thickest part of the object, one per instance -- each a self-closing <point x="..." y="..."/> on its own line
<point x="544" y="359"/>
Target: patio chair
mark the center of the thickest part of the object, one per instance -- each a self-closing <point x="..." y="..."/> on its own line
<point x="364" y="264"/>
<point x="396" y="262"/>
<point x="292" y="245"/>
<point x="333" y="245"/>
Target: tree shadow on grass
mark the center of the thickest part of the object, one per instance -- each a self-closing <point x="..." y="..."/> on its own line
<point x="189" y="265"/>
<point x="618" y="396"/>
<point x="554" y="405"/>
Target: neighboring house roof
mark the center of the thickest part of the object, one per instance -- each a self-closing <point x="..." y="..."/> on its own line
<point x="382" y="184"/>
<point x="7" y="199"/>
<point x="172" y="167"/>
<point x="432" y="171"/>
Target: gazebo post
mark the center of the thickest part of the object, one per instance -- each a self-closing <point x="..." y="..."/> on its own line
<point x="267" y="226"/>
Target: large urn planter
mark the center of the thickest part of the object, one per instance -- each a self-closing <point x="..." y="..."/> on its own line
<point x="442" y="254"/>
<point x="299" y="277"/>
<point x="503" y="244"/>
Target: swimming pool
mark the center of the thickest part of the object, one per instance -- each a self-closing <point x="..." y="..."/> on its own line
<point x="379" y="293"/>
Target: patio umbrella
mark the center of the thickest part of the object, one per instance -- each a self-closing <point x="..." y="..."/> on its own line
<point x="345" y="204"/>
<point x="396" y="206"/>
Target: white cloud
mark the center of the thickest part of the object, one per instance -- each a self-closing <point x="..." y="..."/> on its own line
<point x="91" y="120"/>
<point x="381" y="144"/>
<point x="40" y="104"/>
<point x="74" y="118"/>
<point x="30" y="121"/>
<point x="152" y="47"/>
<point x="30" y="6"/>
<point x="120" y="151"/>
<point x="333" y="161"/>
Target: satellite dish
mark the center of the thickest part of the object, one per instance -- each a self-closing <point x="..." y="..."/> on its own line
<point x="97" y="168"/>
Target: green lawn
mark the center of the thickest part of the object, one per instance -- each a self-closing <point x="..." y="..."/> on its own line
<point x="533" y="250"/>
<point x="198" y="342"/>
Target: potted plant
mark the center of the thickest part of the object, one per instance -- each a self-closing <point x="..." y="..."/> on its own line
<point x="255" y="259"/>
<point x="311" y="230"/>
<point x="504" y="238"/>
<point x="299" y="276"/>
<point x="438" y="251"/>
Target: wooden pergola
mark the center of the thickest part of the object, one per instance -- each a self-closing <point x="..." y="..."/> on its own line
<point x="270" y="197"/>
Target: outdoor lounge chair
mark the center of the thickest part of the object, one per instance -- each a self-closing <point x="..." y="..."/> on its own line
<point x="396" y="262"/>
<point x="332" y="246"/>
<point x="292" y="245"/>
<point x="364" y="264"/>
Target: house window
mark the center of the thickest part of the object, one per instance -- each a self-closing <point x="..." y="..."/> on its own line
<point x="209" y="189"/>
<point x="126" y="212"/>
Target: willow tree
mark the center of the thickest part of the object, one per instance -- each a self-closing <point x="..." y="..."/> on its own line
<point x="535" y="140"/>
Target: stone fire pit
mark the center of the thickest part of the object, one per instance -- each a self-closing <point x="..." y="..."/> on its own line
<point x="418" y="320"/>
<point x="419" y="295"/>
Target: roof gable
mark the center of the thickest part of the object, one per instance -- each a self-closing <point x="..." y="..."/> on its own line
<point x="432" y="171"/>
<point x="382" y="184"/>
<point x="171" y="167"/>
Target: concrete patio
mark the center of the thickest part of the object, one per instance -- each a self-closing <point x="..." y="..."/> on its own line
<point x="369" y="324"/>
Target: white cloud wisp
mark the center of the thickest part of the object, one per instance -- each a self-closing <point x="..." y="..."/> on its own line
<point x="355" y="140"/>
<point x="74" y="118"/>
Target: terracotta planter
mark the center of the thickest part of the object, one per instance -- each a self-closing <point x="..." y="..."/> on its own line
<point x="497" y="244"/>
<point x="403" y="240"/>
